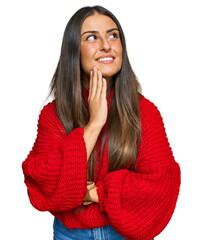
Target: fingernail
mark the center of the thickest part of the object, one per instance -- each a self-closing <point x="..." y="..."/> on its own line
<point x="95" y="69"/>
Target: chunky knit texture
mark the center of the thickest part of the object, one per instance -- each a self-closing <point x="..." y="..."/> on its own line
<point x="137" y="204"/>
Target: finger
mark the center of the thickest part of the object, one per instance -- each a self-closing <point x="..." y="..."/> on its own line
<point x="99" y="83"/>
<point x="94" y="82"/>
<point x="103" y="90"/>
<point x="87" y="203"/>
<point x="90" y="187"/>
<point x="90" y="83"/>
<point x="90" y="182"/>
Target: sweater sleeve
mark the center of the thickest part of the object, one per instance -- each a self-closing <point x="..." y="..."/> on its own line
<point x="140" y="204"/>
<point x="56" y="168"/>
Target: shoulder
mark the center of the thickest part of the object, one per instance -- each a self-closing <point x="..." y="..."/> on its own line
<point x="154" y="141"/>
<point x="48" y="118"/>
<point x="49" y="107"/>
<point x="48" y="112"/>
<point x="149" y="112"/>
<point x="147" y="107"/>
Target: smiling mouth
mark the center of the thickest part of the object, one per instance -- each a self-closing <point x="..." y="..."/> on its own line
<point x="105" y="60"/>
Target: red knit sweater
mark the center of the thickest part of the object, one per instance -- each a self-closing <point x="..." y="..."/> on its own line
<point x="137" y="204"/>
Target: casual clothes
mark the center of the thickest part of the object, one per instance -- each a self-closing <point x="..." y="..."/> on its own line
<point x="103" y="233"/>
<point x="138" y="205"/>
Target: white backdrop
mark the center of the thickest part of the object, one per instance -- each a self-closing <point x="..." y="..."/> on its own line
<point x="165" y="46"/>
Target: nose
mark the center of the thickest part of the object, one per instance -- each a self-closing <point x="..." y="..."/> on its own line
<point x="105" y="45"/>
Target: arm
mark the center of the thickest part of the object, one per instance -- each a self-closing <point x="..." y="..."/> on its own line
<point x="56" y="168"/>
<point x="98" y="116"/>
<point x="140" y="204"/>
<point x="97" y="109"/>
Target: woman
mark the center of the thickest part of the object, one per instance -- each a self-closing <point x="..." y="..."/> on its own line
<point x="101" y="163"/>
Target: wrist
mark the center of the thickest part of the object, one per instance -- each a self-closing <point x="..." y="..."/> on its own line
<point x="93" y="126"/>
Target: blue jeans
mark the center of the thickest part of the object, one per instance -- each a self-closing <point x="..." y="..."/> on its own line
<point x="103" y="233"/>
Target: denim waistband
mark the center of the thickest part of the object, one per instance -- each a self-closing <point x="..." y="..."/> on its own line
<point x="103" y="233"/>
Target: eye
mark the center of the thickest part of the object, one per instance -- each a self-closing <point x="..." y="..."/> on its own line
<point x="91" y="38"/>
<point x="113" y="35"/>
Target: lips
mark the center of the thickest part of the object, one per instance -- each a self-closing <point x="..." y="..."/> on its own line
<point x="105" y="59"/>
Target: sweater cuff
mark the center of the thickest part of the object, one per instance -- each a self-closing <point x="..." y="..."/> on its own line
<point x="101" y="195"/>
<point x="75" y="141"/>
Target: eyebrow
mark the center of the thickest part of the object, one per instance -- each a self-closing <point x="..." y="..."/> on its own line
<point x="110" y="30"/>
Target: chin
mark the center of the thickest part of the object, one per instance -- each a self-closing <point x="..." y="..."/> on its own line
<point x="108" y="73"/>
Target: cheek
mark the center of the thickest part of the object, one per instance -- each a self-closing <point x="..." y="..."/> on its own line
<point x="83" y="54"/>
<point x="84" y="58"/>
<point x="120" y="53"/>
<point x="120" y="50"/>
<point x="87" y="54"/>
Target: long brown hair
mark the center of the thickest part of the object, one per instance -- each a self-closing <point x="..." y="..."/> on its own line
<point x="124" y="126"/>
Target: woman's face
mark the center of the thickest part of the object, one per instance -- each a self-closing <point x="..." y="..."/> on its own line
<point x="100" y="46"/>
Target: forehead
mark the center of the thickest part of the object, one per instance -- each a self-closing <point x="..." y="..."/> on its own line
<point x="98" y="22"/>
